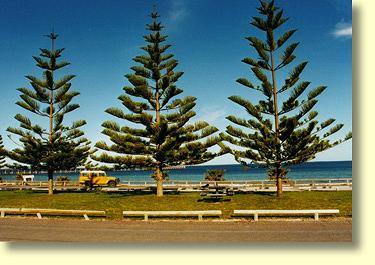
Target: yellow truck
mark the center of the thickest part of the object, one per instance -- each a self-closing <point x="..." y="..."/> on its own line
<point x="92" y="178"/>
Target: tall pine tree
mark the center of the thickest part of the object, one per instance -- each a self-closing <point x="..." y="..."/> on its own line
<point x="161" y="135"/>
<point x="2" y="153"/>
<point x="57" y="147"/>
<point x="278" y="135"/>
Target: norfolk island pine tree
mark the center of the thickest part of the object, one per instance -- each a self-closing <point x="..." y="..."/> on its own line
<point x="277" y="136"/>
<point x="160" y="136"/>
<point x="57" y="147"/>
<point x="2" y="153"/>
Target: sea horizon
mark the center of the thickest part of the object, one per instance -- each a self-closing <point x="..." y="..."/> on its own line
<point x="308" y="170"/>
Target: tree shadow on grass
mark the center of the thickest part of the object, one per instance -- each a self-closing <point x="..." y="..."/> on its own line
<point x="214" y="200"/>
<point x="264" y="193"/>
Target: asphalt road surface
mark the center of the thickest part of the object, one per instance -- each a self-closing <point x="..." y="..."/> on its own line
<point x="71" y="230"/>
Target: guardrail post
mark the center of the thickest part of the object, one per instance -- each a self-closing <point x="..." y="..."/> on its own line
<point x="39" y="215"/>
<point x="316" y="216"/>
<point x="255" y="217"/>
<point x="2" y="213"/>
<point x="200" y="217"/>
<point x="146" y="217"/>
<point x="86" y="217"/>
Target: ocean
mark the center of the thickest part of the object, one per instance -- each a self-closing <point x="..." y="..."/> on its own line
<point x="309" y="170"/>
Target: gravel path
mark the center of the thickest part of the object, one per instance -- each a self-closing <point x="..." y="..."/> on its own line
<point x="71" y="230"/>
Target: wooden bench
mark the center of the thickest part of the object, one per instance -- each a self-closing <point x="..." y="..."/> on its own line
<point x="84" y="213"/>
<point x="146" y="214"/>
<point x="256" y="213"/>
<point x="4" y="211"/>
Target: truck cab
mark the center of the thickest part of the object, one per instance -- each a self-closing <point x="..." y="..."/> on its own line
<point x="91" y="178"/>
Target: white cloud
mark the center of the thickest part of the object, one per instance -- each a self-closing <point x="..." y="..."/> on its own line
<point x="343" y="29"/>
<point x="212" y="114"/>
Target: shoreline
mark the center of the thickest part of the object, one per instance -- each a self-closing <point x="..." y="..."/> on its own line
<point x="328" y="169"/>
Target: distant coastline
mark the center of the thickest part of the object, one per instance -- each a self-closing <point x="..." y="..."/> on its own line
<point x="323" y="161"/>
<point x="308" y="170"/>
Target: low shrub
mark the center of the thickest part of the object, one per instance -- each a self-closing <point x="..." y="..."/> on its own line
<point x="19" y="177"/>
<point x="63" y="178"/>
<point x="215" y="175"/>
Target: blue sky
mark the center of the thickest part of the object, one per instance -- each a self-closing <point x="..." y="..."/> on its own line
<point x="207" y="37"/>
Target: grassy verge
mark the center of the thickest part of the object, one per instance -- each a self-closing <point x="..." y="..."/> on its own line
<point x="115" y="203"/>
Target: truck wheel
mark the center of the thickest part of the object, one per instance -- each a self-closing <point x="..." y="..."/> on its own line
<point x="87" y="185"/>
<point x="112" y="184"/>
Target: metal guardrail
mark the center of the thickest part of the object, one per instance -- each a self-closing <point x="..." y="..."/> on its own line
<point x="38" y="183"/>
<point x="239" y="182"/>
<point x="314" y="212"/>
<point x="147" y="214"/>
<point x="57" y="212"/>
<point x="182" y="183"/>
<point x="190" y="185"/>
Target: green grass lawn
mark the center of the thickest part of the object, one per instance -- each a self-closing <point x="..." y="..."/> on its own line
<point x="115" y="203"/>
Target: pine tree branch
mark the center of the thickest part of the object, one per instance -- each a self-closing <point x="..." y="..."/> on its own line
<point x="291" y="103"/>
<point x="285" y="37"/>
<point x="287" y="56"/>
<point x="293" y="77"/>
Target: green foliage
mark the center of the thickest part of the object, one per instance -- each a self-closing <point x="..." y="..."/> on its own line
<point x="63" y="178"/>
<point x="278" y="135"/>
<point x="215" y="175"/>
<point x="165" y="175"/>
<point x="55" y="146"/>
<point x="105" y="168"/>
<point x="90" y="165"/>
<point x="2" y="153"/>
<point x="160" y="135"/>
<point x="19" y="177"/>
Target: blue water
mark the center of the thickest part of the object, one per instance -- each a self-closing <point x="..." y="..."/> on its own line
<point x="315" y="170"/>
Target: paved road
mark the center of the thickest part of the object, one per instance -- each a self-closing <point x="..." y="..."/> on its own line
<point x="57" y="230"/>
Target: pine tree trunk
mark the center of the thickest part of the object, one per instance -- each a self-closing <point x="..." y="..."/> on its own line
<point x="159" y="175"/>
<point x="159" y="188"/>
<point x="279" y="181"/>
<point x="50" y="171"/>
<point x="159" y="182"/>
<point x="276" y="114"/>
<point x="279" y="185"/>
<point x="50" y="182"/>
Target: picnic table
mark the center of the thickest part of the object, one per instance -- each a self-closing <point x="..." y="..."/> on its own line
<point x="215" y="192"/>
<point x="214" y="196"/>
